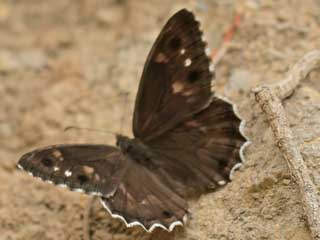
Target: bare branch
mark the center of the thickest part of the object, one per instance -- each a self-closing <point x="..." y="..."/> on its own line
<point x="299" y="71"/>
<point x="269" y="101"/>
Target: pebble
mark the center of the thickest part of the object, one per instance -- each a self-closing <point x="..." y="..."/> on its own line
<point x="286" y="181"/>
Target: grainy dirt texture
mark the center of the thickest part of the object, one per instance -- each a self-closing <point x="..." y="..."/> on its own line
<point x="68" y="62"/>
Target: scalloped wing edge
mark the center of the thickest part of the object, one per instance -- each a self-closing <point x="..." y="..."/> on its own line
<point x="137" y="223"/>
<point x="234" y="107"/>
<point x="241" y="130"/>
<point x="64" y="185"/>
<point x="116" y="216"/>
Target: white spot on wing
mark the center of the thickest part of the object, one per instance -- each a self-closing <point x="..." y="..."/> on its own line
<point x="67" y="173"/>
<point x="95" y="194"/>
<point x="211" y="67"/>
<point x="187" y="62"/>
<point x="208" y="52"/>
<point x="56" y="169"/>
<point x="222" y="182"/>
<point x="203" y="38"/>
<point x="182" y="51"/>
<point x="78" y="190"/>
<point x="177" y="87"/>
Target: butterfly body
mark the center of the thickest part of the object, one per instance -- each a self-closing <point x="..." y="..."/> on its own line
<point x="186" y="140"/>
<point x="135" y="150"/>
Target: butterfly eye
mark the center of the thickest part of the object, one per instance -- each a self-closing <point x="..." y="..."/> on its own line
<point x="175" y="43"/>
<point x="47" y="162"/>
<point x="166" y="214"/>
<point x="83" y="178"/>
<point x="194" y="76"/>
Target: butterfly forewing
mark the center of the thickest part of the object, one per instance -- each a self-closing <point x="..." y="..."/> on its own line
<point x="176" y="81"/>
<point x="95" y="169"/>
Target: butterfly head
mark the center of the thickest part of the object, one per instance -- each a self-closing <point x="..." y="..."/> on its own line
<point x="124" y="143"/>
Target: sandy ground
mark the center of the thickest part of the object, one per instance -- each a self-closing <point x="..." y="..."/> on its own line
<point x="68" y="62"/>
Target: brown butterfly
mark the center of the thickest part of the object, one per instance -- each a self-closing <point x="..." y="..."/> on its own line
<point x="186" y="140"/>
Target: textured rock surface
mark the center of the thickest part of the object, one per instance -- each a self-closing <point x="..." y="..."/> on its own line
<point x="68" y="62"/>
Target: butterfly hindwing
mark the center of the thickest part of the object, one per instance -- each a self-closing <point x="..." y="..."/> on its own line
<point x="95" y="169"/>
<point x="143" y="199"/>
<point x="176" y="81"/>
<point x="199" y="154"/>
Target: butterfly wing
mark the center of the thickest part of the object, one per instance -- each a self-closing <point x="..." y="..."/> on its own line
<point x="201" y="153"/>
<point x="194" y="135"/>
<point x="196" y="156"/>
<point x="197" y="153"/>
<point x="128" y="190"/>
<point x="143" y="199"/>
<point x="95" y="169"/>
<point x="176" y="81"/>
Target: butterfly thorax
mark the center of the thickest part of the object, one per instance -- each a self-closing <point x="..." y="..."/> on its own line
<point x="136" y="150"/>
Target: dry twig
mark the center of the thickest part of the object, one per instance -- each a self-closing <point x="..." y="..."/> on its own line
<point x="269" y="98"/>
<point x="298" y="72"/>
<point x="217" y="54"/>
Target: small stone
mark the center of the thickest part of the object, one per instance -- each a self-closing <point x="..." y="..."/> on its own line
<point x="286" y="181"/>
<point x="268" y="216"/>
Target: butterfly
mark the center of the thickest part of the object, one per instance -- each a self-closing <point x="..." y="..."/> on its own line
<point x="186" y="140"/>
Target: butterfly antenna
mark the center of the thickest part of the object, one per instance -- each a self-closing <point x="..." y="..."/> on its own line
<point x="125" y="103"/>
<point x="88" y="129"/>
